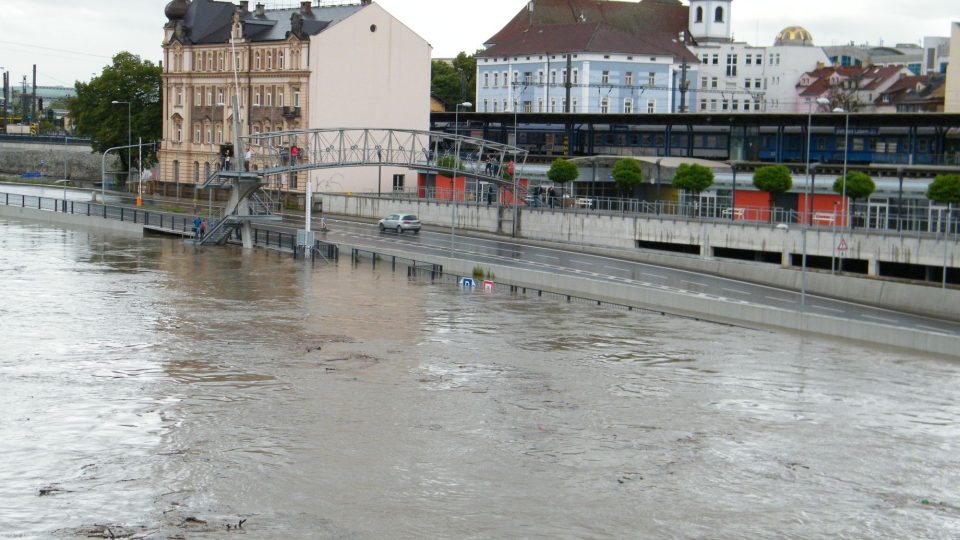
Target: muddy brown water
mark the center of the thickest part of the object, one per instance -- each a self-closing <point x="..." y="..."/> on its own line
<point x="150" y="389"/>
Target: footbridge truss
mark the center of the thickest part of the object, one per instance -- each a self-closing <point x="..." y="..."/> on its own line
<point x="272" y="159"/>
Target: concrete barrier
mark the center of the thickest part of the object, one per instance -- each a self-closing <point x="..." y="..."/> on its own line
<point x="73" y="220"/>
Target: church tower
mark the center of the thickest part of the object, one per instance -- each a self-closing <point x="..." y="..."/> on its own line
<point x="710" y="20"/>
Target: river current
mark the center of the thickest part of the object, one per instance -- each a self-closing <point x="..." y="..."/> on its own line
<point x="156" y="390"/>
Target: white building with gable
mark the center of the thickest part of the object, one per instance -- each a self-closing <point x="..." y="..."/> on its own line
<point x="739" y="77"/>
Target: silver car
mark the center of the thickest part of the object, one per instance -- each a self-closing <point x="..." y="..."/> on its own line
<point x="400" y="223"/>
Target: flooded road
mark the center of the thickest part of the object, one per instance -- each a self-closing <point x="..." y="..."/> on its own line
<point x="155" y="390"/>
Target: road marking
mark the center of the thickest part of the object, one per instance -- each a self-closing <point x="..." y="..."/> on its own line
<point x="697" y="283"/>
<point x="736" y="291"/>
<point x="825" y="308"/>
<point x="881" y="319"/>
<point x="588" y="263"/>
<point x="777" y="299"/>
<point x="615" y="268"/>
<point x="546" y="256"/>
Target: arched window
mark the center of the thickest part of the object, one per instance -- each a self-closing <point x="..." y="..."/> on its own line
<point x="718" y="17"/>
<point x="196" y="172"/>
<point x="699" y="15"/>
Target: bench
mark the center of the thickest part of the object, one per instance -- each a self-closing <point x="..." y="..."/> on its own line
<point x="823" y="218"/>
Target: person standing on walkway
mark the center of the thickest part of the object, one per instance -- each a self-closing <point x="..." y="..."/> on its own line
<point x="247" y="157"/>
<point x="203" y="229"/>
<point x="196" y="226"/>
<point x="294" y="152"/>
<point x="227" y="155"/>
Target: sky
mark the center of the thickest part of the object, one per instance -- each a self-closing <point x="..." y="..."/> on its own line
<point x="72" y="40"/>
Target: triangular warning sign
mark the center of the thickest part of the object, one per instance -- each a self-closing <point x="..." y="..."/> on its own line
<point x="843" y="245"/>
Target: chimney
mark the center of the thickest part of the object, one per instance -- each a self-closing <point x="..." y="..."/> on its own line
<point x="244" y="6"/>
<point x="305" y="8"/>
<point x="261" y="13"/>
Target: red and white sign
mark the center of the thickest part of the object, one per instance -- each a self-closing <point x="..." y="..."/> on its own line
<point x="843" y="245"/>
<point x="488" y="286"/>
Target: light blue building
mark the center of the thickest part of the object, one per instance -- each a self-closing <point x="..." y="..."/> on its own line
<point x="615" y="57"/>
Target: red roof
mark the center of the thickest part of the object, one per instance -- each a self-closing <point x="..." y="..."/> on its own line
<point x="561" y="26"/>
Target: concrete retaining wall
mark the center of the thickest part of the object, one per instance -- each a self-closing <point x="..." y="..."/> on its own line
<point x="81" y="163"/>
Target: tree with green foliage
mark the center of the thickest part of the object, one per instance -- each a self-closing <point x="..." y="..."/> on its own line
<point x="773" y="179"/>
<point x="454" y="83"/>
<point x="628" y="174"/>
<point x="858" y="185"/>
<point x="563" y="171"/>
<point x="130" y="79"/>
<point x="945" y="188"/>
<point x="693" y="177"/>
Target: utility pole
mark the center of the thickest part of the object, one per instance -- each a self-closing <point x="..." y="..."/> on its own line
<point x="683" y="73"/>
<point x="33" y="102"/>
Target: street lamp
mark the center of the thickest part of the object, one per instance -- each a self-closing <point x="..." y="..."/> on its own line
<point x="843" y="194"/>
<point x="456" y="132"/>
<point x="129" y="145"/>
<point x="809" y="203"/>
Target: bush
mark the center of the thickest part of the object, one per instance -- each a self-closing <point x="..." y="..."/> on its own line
<point x="773" y="179"/>
<point x="627" y="174"/>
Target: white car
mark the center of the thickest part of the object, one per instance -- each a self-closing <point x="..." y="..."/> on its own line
<point x="400" y="223"/>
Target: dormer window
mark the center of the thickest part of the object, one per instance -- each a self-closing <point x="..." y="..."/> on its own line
<point x="718" y="15"/>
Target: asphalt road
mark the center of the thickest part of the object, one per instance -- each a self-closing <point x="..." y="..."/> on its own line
<point x="611" y="269"/>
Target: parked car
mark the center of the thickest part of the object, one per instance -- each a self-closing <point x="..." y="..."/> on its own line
<point x="400" y="223"/>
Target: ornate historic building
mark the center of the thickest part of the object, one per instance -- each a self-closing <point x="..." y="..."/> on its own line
<point x="350" y="65"/>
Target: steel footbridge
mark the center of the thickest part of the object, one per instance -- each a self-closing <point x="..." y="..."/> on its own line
<point x="273" y="162"/>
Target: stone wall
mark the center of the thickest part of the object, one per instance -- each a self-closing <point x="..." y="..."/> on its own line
<point x="81" y="162"/>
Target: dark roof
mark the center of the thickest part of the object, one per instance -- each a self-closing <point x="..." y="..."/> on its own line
<point x="208" y="21"/>
<point x="561" y="26"/>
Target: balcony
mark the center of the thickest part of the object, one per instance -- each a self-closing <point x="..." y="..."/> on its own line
<point x="291" y="112"/>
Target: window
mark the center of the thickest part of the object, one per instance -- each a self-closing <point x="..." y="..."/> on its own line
<point x="605" y="78"/>
<point x="731" y="65"/>
<point x="703" y="82"/>
<point x="198" y="98"/>
<point x="715" y="59"/>
<point x="759" y="59"/>
<point x="496" y="80"/>
<point x="219" y="96"/>
<point x="179" y="97"/>
<point x="256" y="60"/>
<point x="280" y="98"/>
<point x="699" y="18"/>
<point x="703" y="104"/>
<point x="573" y="107"/>
<point x="576" y="76"/>
<point x="209" y="134"/>
<point x="746" y="84"/>
<point x="269" y="60"/>
<point x="652" y="79"/>
<point x="748" y="60"/>
<point x="553" y="76"/>
<point x="256" y="98"/>
<point x="563" y="75"/>
<point x="713" y="82"/>
<point x="553" y="104"/>
<point x="486" y="80"/>
<point x="494" y="105"/>
<point x="506" y="79"/>
<point x="718" y="15"/>
<point x="540" y="76"/>
<point x="604" y="106"/>
<point x="628" y="80"/>
<point x="220" y="61"/>
<point x="735" y="105"/>
<point x="269" y="98"/>
<point x="516" y="77"/>
<point x="296" y="98"/>
<point x="725" y="105"/>
<point x="528" y="78"/>
<point x="563" y="105"/>
<point x="196" y="171"/>
<point x="209" y="97"/>
<point x="280" y="59"/>
<point x="713" y="104"/>
<point x="219" y="134"/>
<point x="178" y="134"/>
<point x="210" y="61"/>
<point x="486" y="105"/>
<point x="505" y="105"/>
<point x="196" y="134"/>
<point x="540" y="105"/>
<point x="628" y="106"/>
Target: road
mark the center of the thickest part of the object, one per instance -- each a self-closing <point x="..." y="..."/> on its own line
<point x="610" y="269"/>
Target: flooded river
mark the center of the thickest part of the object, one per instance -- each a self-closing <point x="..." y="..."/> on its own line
<point x="155" y="390"/>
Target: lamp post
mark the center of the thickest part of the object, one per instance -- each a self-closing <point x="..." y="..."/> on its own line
<point x="379" y="169"/>
<point x="129" y="144"/>
<point x="843" y="192"/>
<point x="809" y="203"/>
<point x="453" y="173"/>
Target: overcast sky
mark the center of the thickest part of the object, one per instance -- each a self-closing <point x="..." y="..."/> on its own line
<point x="71" y="40"/>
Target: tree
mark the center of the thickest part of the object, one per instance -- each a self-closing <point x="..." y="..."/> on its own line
<point x="773" y="179"/>
<point x="945" y="188"/>
<point x="563" y="171"/>
<point x="94" y="115"/>
<point x="454" y="82"/>
<point x="693" y="177"/>
<point x="858" y="185"/>
<point x="628" y="174"/>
